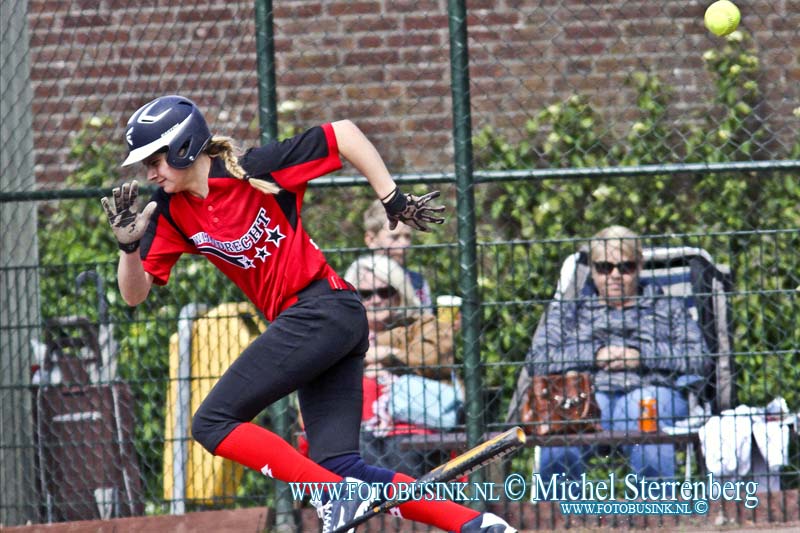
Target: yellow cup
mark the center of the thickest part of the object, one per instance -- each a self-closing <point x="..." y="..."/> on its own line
<point x="448" y="309"/>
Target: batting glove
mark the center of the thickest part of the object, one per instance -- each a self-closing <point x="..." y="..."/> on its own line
<point x="412" y="210"/>
<point x="127" y="224"/>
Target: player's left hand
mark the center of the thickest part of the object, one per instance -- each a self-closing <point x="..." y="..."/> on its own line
<point x="412" y="210"/>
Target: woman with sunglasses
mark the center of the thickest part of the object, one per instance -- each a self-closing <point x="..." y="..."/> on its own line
<point x="403" y="340"/>
<point x="636" y="342"/>
<point x="242" y="212"/>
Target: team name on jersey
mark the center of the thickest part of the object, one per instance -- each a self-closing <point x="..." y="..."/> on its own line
<point x="226" y="249"/>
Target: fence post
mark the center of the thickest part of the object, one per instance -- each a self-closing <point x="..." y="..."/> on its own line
<point x="268" y="124"/>
<point x="265" y="58"/>
<point x="465" y="213"/>
<point x="19" y="281"/>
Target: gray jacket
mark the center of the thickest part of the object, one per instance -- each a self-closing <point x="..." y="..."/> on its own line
<point x="670" y="343"/>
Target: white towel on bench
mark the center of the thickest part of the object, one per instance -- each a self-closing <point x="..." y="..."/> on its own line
<point x="726" y="440"/>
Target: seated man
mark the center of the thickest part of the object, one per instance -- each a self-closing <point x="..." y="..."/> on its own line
<point x="634" y="340"/>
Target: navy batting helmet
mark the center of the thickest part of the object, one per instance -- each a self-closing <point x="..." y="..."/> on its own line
<point x="171" y="122"/>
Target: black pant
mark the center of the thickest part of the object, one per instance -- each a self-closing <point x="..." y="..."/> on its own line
<point x="316" y="347"/>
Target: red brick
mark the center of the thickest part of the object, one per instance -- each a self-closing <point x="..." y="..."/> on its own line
<point x="369" y="24"/>
<point x="338" y="9"/>
<point x="382" y="57"/>
<point x="403" y="40"/>
<point x="424" y="91"/>
<point x="421" y="73"/>
<point x="424" y="56"/>
<point x="493" y="18"/>
<point x="85" y="21"/>
<point x="428" y="124"/>
<point x="372" y="74"/>
<point x="217" y="14"/>
<point x="370" y="41"/>
<point x="283" y="10"/>
<point x="413" y="6"/>
<point x="417" y="23"/>
<point x="590" y="31"/>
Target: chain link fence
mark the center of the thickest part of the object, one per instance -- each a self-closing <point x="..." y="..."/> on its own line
<point x="581" y="115"/>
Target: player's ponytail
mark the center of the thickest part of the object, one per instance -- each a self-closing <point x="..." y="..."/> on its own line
<point x="224" y="147"/>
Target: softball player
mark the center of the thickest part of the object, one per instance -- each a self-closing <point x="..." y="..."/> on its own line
<point x="318" y="335"/>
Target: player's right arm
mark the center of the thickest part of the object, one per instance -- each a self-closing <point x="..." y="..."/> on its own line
<point x="129" y="227"/>
<point x="411" y="210"/>
<point x="134" y="282"/>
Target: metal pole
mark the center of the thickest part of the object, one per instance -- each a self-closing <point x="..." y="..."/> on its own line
<point x="465" y="213"/>
<point x="19" y="275"/>
<point x="268" y="123"/>
<point x="265" y="58"/>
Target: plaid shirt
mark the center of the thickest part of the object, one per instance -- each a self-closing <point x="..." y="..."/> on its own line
<point x="669" y="342"/>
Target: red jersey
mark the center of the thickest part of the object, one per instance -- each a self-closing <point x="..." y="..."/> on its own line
<point x="255" y="239"/>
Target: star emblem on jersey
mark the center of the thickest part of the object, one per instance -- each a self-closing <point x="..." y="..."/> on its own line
<point x="244" y="250"/>
<point x="274" y="235"/>
<point x="262" y="253"/>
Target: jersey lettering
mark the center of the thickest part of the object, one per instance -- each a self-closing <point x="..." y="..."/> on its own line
<point x="235" y="251"/>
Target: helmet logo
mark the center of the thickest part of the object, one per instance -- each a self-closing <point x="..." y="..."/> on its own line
<point x="129" y="136"/>
<point x="144" y="118"/>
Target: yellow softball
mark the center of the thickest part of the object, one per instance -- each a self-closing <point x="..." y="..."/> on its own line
<point x="722" y="17"/>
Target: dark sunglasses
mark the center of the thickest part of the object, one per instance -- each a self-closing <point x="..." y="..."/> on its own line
<point x="625" y="267"/>
<point x="384" y="293"/>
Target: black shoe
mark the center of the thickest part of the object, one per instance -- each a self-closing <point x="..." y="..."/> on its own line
<point x="337" y="513"/>
<point x="487" y="523"/>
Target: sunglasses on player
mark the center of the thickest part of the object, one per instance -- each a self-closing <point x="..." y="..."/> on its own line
<point x="384" y="293"/>
<point x="606" y="267"/>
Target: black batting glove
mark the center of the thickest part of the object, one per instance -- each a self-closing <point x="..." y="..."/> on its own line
<point x="126" y="222"/>
<point x="412" y="210"/>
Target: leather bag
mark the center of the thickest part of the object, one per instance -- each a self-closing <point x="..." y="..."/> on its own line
<point x="561" y="403"/>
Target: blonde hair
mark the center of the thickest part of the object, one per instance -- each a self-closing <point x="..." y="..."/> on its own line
<point x="374" y="217"/>
<point x="224" y="148"/>
<point x="387" y="269"/>
<point x="616" y="237"/>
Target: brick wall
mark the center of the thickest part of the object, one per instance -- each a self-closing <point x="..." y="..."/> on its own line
<point x="384" y="64"/>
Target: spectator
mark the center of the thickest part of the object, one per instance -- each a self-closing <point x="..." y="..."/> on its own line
<point x="394" y="243"/>
<point x="634" y="340"/>
<point x="402" y="340"/>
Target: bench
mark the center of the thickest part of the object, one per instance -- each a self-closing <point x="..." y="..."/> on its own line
<point x="457" y="440"/>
